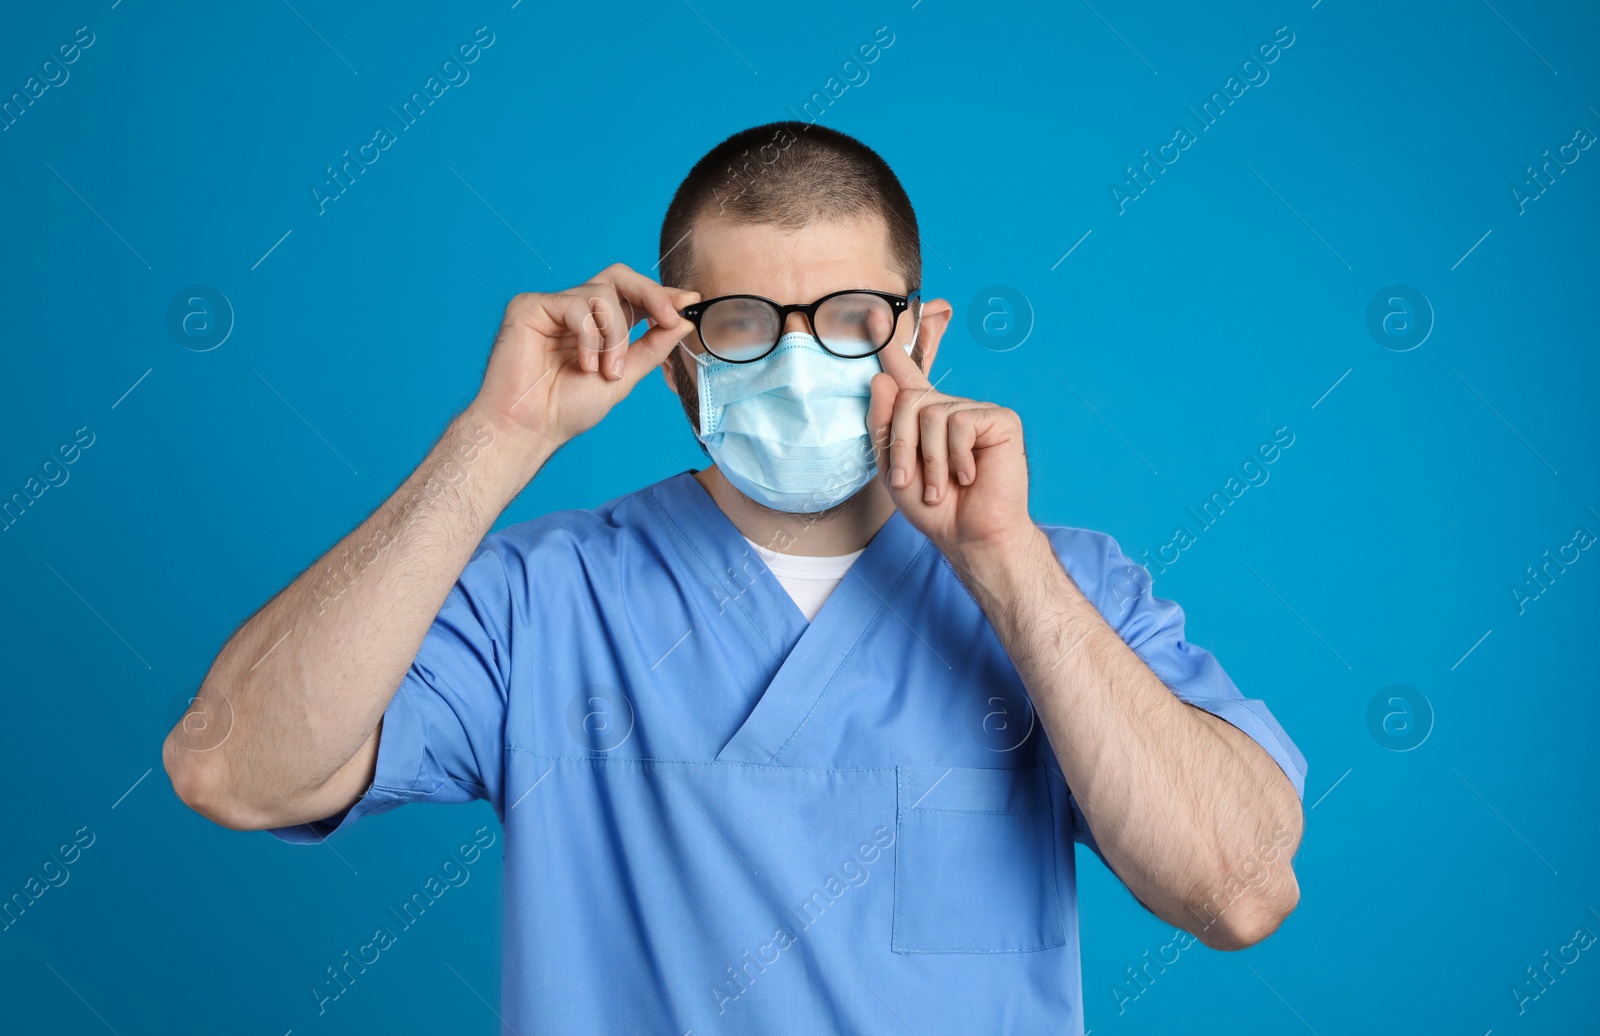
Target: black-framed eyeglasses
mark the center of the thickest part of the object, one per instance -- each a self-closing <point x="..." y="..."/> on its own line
<point x="850" y="324"/>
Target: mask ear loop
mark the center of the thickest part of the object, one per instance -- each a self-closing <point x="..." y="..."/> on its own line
<point x="702" y="361"/>
<point x="916" y="328"/>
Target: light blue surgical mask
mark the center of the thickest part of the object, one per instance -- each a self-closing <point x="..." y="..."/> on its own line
<point x="790" y="430"/>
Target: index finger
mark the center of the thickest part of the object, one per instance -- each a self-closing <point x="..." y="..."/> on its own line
<point x="644" y="293"/>
<point x="896" y="363"/>
<point x="682" y="297"/>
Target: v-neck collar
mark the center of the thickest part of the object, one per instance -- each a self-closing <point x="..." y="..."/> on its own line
<point x="806" y="655"/>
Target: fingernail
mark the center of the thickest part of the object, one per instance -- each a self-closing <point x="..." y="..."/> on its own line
<point x="930" y="494"/>
<point x="897" y="478"/>
<point x="965" y="478"/>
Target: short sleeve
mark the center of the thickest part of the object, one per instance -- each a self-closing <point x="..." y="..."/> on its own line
<point x="1121" y="590"/>
<point x="443" y="732"/>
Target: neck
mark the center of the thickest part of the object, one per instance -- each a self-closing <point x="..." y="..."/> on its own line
<point x="848" y="527"/>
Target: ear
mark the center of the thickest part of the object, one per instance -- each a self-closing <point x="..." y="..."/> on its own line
<point x="936" y="314"/>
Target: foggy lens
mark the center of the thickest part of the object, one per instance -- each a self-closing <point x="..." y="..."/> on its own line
<point x="738" y="329"/>
<point x="855" y="324"/>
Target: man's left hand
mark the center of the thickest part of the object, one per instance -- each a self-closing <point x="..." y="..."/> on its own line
<point x="954" y="467"/>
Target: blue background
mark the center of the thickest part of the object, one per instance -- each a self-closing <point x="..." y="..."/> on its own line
<point x="1229" y="300"/>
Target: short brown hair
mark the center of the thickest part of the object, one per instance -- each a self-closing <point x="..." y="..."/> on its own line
<point x="788" y="174"/>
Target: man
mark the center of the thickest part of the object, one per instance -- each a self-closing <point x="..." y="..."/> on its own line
<point x="798" y="742"/>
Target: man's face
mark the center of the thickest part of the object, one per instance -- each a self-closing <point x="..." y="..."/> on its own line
<point x="789" y="267"/>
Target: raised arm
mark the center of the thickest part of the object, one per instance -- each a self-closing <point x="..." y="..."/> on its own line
<point x="1194" y="815"/>
<point x="286" y="725"/>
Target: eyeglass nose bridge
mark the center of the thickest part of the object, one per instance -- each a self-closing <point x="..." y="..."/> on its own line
<point x="808" y="309"/>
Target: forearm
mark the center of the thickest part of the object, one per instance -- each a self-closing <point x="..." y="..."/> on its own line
<point x="301" y="686"/>
<point x="1196" y="818"/>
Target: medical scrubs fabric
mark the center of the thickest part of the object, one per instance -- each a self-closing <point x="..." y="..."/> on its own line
<point x="720" y="818"/>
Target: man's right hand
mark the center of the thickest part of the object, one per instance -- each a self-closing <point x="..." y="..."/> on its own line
<point x="562" y="360"/>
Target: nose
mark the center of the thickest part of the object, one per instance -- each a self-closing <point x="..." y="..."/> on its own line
<point x="796" y="322"/>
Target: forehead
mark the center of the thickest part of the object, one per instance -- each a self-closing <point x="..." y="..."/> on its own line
<point x="792" y="264"/>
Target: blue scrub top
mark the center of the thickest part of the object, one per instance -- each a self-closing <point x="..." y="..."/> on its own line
<point x="719" y="817"/>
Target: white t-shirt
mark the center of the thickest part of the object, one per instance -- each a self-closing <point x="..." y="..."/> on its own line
<point x="809" y="580"/>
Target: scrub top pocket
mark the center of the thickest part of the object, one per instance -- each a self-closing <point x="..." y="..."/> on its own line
<point x="974" y="861"/>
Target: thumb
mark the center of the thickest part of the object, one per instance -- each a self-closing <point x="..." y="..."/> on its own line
<point x="879" y="412"/>
<point x="651" y="349"/>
